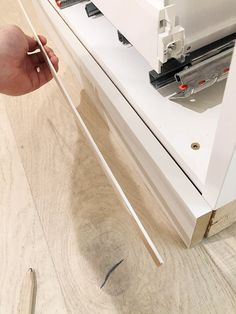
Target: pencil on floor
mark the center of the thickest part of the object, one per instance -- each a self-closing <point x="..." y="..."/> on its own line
<point x="27" y="293"/>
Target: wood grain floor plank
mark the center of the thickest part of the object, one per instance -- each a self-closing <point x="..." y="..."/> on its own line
<point x="87" y="229"/>
<point x="222" y="249"/>
<point x="22" y="243"/>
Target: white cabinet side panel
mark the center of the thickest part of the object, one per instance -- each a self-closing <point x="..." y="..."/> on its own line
<point x="228" y="193"/>
<point x="224" y="144"/>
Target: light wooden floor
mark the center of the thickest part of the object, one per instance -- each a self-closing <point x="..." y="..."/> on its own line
<point x="59" y="215"/>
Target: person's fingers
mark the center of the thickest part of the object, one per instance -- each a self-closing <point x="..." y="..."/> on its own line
<point x="33" y="44"/>
<point x="44" y="74"/>
<point x="53" y="58"/>
<point x="48" y="50"/>
<point x="40" y="66"/>
<point x="37" y="58"/>
<point x="55" y="62"/>
<point x="43" y="39"/>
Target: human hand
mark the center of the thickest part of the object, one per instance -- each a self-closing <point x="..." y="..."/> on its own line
<point x="22" y="70"/>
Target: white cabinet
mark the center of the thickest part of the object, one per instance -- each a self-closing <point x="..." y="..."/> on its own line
<point x="198" y="185"/>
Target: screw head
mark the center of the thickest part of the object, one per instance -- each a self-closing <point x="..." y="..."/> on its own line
<point x="195" y="146"/>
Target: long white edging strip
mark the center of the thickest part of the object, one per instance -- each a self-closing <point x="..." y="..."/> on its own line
<point x="144" y="235"/>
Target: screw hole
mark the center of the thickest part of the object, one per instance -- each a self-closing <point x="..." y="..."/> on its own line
<point x="195" y="146"/>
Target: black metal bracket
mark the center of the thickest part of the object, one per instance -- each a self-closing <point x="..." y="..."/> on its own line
<point x="123" y="39"/>
<point x="92" y="10"/>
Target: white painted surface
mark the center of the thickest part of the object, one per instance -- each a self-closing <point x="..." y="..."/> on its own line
<point x="176" y="125"/>
<point x="228" y="192"/>
<point x="224" y="149"/>
<point x="206" y="21"/>
<point x="135" y="19"/>
<point x="185" y="203"/>
<point x="139" y="22"/>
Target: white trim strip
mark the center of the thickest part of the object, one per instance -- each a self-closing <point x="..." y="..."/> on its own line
<point x="144" y="235"/>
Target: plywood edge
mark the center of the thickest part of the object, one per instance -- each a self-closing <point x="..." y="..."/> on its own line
<point x="201" y="228"/>
<point x="222" y="218"/>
